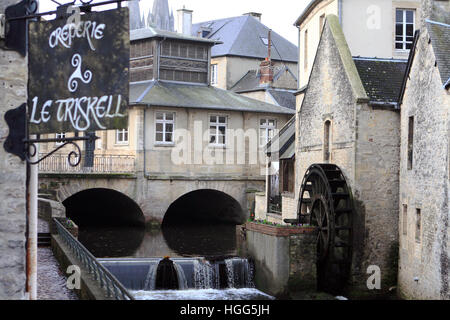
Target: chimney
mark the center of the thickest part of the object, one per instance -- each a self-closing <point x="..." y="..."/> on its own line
<point x="266" y="67"/>
<point x="255" y="15"/>
<point x="184" y="23"/>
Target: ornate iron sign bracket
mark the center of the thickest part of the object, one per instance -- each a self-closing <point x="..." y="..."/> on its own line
<point x="16" y="39"/>
<point x="17" y="143"/>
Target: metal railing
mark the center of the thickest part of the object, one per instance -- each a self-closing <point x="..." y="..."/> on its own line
<point x="59" y="163"/>
<point x="113" y="288"/>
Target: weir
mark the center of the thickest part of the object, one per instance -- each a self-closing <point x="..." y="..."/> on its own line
<point x="191" y="273"/>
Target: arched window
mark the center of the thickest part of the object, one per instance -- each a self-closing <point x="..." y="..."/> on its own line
<point x="327" y="141"/>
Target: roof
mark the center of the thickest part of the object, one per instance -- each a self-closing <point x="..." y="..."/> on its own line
<point x="439" y="32"/>
<point x="382" y="78"/>
<point x="150" y="32"/>
<point x="242" y="36"/>
<point x="180" y="95"/>
<point x="283" y="144"/>
<point x="251" y="82"/>
<point x="285" y="98"/>
<point x="310" y="7"/>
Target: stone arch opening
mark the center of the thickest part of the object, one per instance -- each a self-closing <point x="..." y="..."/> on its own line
<point x="110" y="223"/>
<point x="103" y="207"/>
<point x="205" y="206"/>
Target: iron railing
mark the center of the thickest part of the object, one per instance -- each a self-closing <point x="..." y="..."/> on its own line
<point x="59" y="163"/>
<point x="113" y="288"/>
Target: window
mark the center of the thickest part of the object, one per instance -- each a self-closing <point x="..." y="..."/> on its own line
<point x="122" y="136"/>
<point x="327" y="141"/>
<point x="404" y="29"/>
<point x="305" y="47"/>
<point x="321" y="23"/>
<point x="61" y="136"/>
<point x="165" y="123"/>
<point x="217" y="130"/>
<point x="410" y="142"/>
<point x="266" y="130"/>
<point x="287" y="177"/>
<point x="405" y="219"/>
<point x="418" y="224"/>
<point x="214" y="74"/>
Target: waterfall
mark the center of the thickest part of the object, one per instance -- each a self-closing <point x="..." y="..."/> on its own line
<point x="239" y="273"/>
<point x="182" y="281"/>
<point x="150" y="281"/>
<point x="206" y="276"/>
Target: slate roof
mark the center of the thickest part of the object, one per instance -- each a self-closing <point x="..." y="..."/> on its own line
<point x="241" y="36"/>
<point x="284" y="98"/>
<point x="251" y="82"/>
<point x="283" y="144"/>
<point x="151" y="32"/>
<point x="382" y="78"/>
<point x="170" y="94"/>
<point x="438" y="27"/>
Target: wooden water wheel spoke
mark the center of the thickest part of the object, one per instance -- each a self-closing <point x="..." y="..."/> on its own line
<point x="325" y="189"/>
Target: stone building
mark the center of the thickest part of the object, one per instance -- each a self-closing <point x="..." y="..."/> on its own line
<point x="245" y="42"/>
<point x="382" y="28"/>
<point x="424" y="167"/>
<point x="13" y="80"/>
<point x="185" y="137"/>
<point x="349" y="117"/>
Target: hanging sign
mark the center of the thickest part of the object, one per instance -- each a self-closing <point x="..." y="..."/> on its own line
<point x="79" y="73"/>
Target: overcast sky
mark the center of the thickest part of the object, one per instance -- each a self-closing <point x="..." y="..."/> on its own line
<point x="278" y="15"/>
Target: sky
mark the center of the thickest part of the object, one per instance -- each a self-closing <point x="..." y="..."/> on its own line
<point x="278" y="15"/>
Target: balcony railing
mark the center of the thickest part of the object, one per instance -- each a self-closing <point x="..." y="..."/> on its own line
<point x="59" y="163"/>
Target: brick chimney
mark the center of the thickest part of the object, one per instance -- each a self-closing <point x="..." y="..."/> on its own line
<point x="266" y="67"/>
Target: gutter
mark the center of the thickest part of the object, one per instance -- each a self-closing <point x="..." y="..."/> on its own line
<point x="385" y="105"/>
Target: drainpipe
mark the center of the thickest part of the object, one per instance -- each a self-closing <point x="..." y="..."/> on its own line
<point x="340" y="11"/>
<point x="144" y="143"/>
<point x="32" y="211"/>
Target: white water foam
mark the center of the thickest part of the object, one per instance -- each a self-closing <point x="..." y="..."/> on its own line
<point x="205" y="294"/>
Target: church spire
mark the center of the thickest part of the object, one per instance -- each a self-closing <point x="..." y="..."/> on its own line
<point x="161" y="17"/>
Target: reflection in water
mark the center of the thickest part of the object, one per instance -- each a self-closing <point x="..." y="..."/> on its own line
<point x="175" y="241"/>
<point x="201" y="240"/>
<point x="111" y="242"/>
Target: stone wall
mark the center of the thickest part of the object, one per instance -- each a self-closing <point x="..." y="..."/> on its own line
<point x="13" y="84"/>
<point x="424" y="260"/>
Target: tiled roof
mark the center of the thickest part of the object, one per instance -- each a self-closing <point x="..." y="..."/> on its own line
<point x="251" y="82"/>
<point x="283" y="144"/>
<point x="438" y="26"/>
<point x="243" y="36"/>
<point x="382" y="78"/>
<point x="179" y="95"/>
<point x="284" y="98"/>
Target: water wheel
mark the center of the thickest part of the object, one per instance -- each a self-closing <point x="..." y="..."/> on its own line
<point x="325" y="202"/>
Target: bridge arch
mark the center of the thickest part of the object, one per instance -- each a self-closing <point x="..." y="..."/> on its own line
<point x="103" y="207"/>
<point x="205" y="206"/>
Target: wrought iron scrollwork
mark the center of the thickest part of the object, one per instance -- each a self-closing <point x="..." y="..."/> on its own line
<point x="74" y="154"/>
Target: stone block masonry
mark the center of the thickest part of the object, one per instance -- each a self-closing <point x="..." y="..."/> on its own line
<point x="13" y="88"/>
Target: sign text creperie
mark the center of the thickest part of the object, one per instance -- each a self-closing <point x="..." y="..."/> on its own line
<point x="79" y="73"/>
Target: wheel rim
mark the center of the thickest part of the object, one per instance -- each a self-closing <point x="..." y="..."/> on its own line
<point x="325" y="202"/>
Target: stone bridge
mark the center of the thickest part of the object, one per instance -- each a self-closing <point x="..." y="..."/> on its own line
<point x="152" y="198"/>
